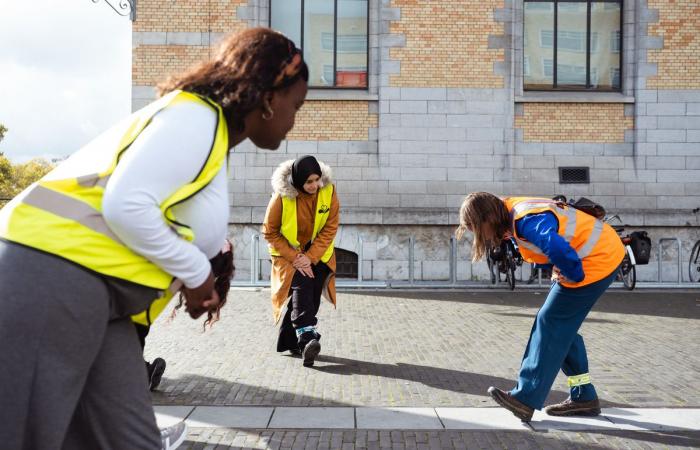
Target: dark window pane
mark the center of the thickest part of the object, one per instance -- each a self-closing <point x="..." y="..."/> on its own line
<point x="605" y="21"/>
<point x="571" y="44"/>
<point x="318" y="51"/>
<point x="285" y="17"/>
<point x="352" y="44"/>
<point x="539" y="44"/>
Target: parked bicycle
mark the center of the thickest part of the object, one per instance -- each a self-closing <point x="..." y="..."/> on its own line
<point x="694" y="262"/>
<point x="503" y="259"/>
<point x="638" y="250"/>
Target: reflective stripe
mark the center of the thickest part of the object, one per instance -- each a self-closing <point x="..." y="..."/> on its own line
<point x="68" y="208"/>
<point x="578" y="380"/>
<point x="592" y="240"/>
<point x="532" y="247"/>
<point x="92" y="180"/>
<point x="570" y="215"/>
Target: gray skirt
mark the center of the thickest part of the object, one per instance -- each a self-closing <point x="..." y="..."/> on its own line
<point x="72" y="374"/>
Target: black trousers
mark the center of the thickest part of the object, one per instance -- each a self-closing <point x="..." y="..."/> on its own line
<point x="302" y="307"/>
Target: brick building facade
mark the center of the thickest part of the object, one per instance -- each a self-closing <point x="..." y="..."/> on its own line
<point x="446" y="110"/>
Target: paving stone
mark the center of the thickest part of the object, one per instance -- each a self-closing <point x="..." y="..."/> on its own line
<point x="479" y="419"/>
<point x="312" y="417"/>
<point x="661" y="419"/>
<point x="229" y="417"/>
<point x="170" y="415"/>
<point x="397" y="418"/>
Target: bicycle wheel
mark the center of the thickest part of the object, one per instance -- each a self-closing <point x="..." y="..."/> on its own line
<point x="510" y="268"/>
<point x="628" y="273"/>
<point x="694" y="263"/>
<point x="492" y="267"/>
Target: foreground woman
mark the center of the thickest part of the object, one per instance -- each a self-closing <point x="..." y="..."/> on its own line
<point x="104" y="234"/>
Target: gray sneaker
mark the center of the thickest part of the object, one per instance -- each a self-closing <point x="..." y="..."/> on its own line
<point x="172" y="436"/>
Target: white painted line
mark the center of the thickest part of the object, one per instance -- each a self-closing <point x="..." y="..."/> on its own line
<point x="313" y="418"/>
<point x="170" y="415"/>
<point x="398" y="419"/>
<point x="229" y="417"/>
<point x="479" y="419"/>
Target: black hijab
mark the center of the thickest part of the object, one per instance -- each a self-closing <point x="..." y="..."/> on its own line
<point x="302" y="168"/>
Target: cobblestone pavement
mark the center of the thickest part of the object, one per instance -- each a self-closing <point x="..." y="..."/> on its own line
<point x="428" y="349"/>
<point x="321" y="440"/>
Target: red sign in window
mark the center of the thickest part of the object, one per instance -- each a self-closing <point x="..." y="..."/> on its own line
<point x="346" y="78"/>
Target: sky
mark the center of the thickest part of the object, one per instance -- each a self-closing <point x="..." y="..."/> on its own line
<point x="65" y="74"/>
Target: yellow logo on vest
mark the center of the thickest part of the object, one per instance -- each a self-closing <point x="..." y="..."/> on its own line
<point x="324" y="209"/>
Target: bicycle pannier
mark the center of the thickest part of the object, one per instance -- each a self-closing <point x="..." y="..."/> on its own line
<point x="641" y="246"/>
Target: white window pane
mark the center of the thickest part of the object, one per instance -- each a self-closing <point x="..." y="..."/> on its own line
<point x="352" y="44"/>
<point x="285" y="17"/>
<point x="539" y="44"/>
<point x="571" y="44"/>
<point x="319" y="21"/>
<point x="605" y="21"/>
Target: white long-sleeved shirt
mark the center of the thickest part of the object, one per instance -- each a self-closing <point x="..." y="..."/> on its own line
<point x="168" y="154"/>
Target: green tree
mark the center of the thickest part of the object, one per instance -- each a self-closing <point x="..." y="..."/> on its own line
<point x="3" y="130"/>
<point x="15" y="177"/>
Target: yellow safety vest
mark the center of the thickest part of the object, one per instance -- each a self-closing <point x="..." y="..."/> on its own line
<point x="64" y="217"/>
<point x="595" y="242"/>
<point x="289" y="220"/>
<point x="148" y="316"/>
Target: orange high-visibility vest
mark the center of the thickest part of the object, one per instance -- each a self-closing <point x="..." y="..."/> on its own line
<point x="595" y="242"/>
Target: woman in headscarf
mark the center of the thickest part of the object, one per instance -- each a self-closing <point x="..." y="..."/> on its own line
<point x="300" y="225"/>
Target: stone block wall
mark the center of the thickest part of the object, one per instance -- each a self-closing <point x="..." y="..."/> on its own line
<point x="445" y="114"/>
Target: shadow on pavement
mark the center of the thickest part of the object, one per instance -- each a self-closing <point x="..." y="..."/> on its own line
<point x="683" y="305"/>
<point x="530" y="317"/>
<point x="197" y="390"/>
<point x="436" y="377"/>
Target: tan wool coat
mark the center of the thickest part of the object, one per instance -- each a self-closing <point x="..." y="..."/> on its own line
<point x="282" y="269"/>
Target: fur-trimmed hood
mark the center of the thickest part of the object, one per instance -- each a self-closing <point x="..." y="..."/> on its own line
<point x="282" y="178"/>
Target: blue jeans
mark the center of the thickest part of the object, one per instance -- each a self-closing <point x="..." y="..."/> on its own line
<point x="555" y="343"/>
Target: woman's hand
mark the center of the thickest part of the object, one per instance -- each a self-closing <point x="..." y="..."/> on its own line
<point x="557" y="277"/>
<point x="201" y="299"/>
<point x="302" y="263"/>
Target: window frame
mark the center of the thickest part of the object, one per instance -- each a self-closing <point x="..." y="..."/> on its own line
<point x="588" y="87"/>
<point x="335" y="47"/>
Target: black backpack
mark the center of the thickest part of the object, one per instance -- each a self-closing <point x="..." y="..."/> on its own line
<point x="588" y="206"/>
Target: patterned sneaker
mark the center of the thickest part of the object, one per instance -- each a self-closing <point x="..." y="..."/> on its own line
<point x="171" y="437"/>
<point x="520" y="410"/>
<point x="570" y="407"/>
<point x="155" y="373"/>
<point x="310" y="352"/>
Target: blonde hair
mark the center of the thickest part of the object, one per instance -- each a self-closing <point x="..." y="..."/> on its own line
<point x="485" y="216"/>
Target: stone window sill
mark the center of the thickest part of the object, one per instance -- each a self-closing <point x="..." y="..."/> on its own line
<point x="341" y="94"/>
<point x="573" y="97"/>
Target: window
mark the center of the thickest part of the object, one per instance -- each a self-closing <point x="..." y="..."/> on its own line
<point x="333" y="34"/>
<point x="565" y="36"/>
<point x="345" y="263"/>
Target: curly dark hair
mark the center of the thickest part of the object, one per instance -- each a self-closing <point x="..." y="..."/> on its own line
<point x="246" y="66"/>
<point x="223" y="269"/>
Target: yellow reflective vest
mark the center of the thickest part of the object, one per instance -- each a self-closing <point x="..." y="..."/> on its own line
<point x="289" y="220"/>
<point x="595" y="242"/>
<point x="63" y="216"/>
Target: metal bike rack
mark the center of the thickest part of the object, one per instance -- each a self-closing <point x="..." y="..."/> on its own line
<point x="255" y="270"/>
<point x="660" y="254"/>
<point x="255" y="274"/>
<point x="411" y="257"/>
<point x="453" y="260"/>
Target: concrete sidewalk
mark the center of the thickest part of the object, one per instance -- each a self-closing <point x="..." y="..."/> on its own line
<point x="432" y="355"/>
